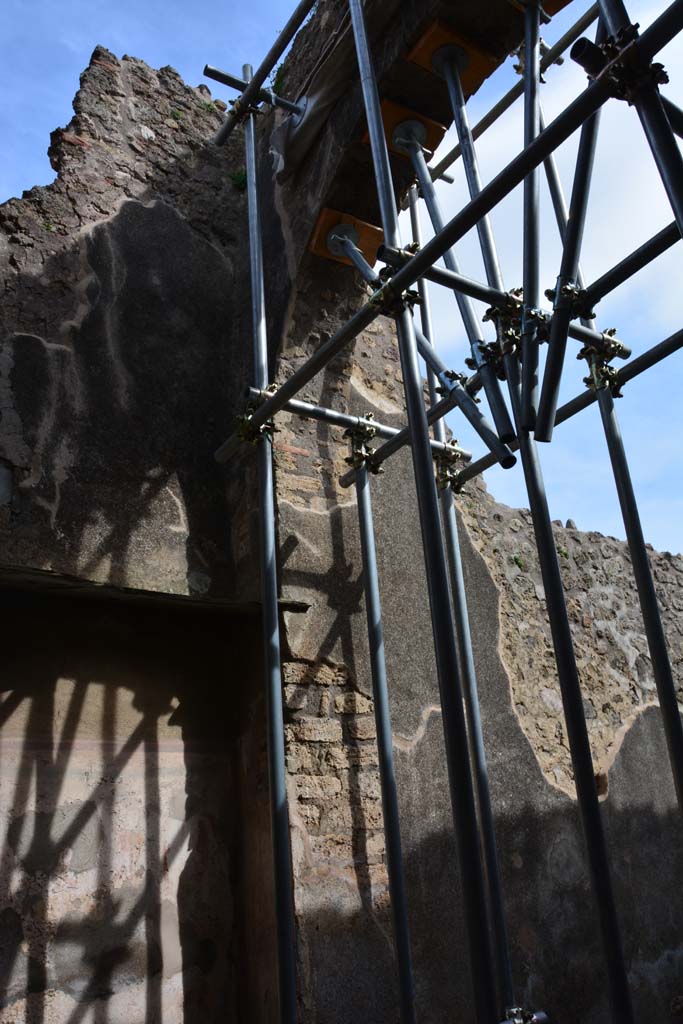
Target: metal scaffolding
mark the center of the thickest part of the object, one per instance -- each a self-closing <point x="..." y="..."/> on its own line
<point x="619" y="65"/>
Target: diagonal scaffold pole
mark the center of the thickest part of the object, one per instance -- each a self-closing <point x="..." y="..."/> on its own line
<point x="251" y="93"/>
<point x="499" y="930"/>
<point x="656" y="36"/>
<point x="434" y="414"/>
<point x="448" y="381"/>
<point x="630" y="265"/>
<point x="455" y="729"/>
<point x="675" y="115"/>
<point x="447" y="63"/>
<point x="552" y="581"/>
<point x="517" y="90"/>
<point x="497" y="297"/>
<point x="282" y="858"/>
<point x="586" y="398"/>
<point x="499" y="412"/>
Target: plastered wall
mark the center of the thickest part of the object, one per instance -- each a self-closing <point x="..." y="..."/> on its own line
<point x="129" y="808"/>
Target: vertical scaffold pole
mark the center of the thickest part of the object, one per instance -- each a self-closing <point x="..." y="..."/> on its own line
<point x="557" y="194"/>
<point x="570" y="224"/>
<point x="572" y="702"/>
<point x="448" y="66"/>
<point x="653" y="118"/>
<point x="392" y="828"/>
<point x="649" y="606"/>
<point x="565" y="288"/>
<point x="557" y="610"/>
<point x="531" y="239"/>
<point x="455" y="730"/>
<point x="469" y="675"/>
<point x="647" y="596"/>
<point x="282" y="857"/>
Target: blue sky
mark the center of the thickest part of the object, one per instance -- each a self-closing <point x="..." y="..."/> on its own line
<point x="45" y="46"/>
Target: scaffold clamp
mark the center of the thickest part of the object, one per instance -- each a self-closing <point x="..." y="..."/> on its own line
<point x="361" y="452"/>
<point x="243" y="424"/>
<point x="616" y="61"/>
<point x="602" y="373"/>
<point x="518" y="1016"/>
<point x="447" y="464"/>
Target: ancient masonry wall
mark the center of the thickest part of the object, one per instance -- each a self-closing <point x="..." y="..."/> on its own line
<point x="611" y="647"/>
<point x="340" y="887"/>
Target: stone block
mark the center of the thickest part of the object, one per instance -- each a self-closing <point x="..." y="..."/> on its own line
<point x="316" y="730"/>
<point x="352" y="704"/>
<point x="362" y="728"/>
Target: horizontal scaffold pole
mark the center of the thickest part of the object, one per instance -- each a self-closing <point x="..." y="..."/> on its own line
<point x="342" y="419"/>
<point x="264" y="95"/>
<point x="495" y="297"/>
<point x="502" y="453"/>
<point x="315" y="363"/>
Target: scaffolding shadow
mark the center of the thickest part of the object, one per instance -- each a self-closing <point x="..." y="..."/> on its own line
<point x="120" y="853"/>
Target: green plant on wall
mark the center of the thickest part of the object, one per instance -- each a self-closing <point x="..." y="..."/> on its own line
<point x="277" y="79"/>
<point x="239" y="179"/>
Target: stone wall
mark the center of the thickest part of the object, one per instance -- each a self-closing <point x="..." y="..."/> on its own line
<point x="121" y="364"/>
<point x="610" y="642"/>
<point x="341" y="884"/>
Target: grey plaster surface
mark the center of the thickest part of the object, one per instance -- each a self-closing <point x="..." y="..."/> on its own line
<point x="121" y="356"/>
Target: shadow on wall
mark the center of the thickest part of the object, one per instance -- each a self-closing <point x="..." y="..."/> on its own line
<point x="124" y="832"/>
<point x="345" y="928"/>
<point x="123" y="358"/>
<point x="359" y="976"/>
